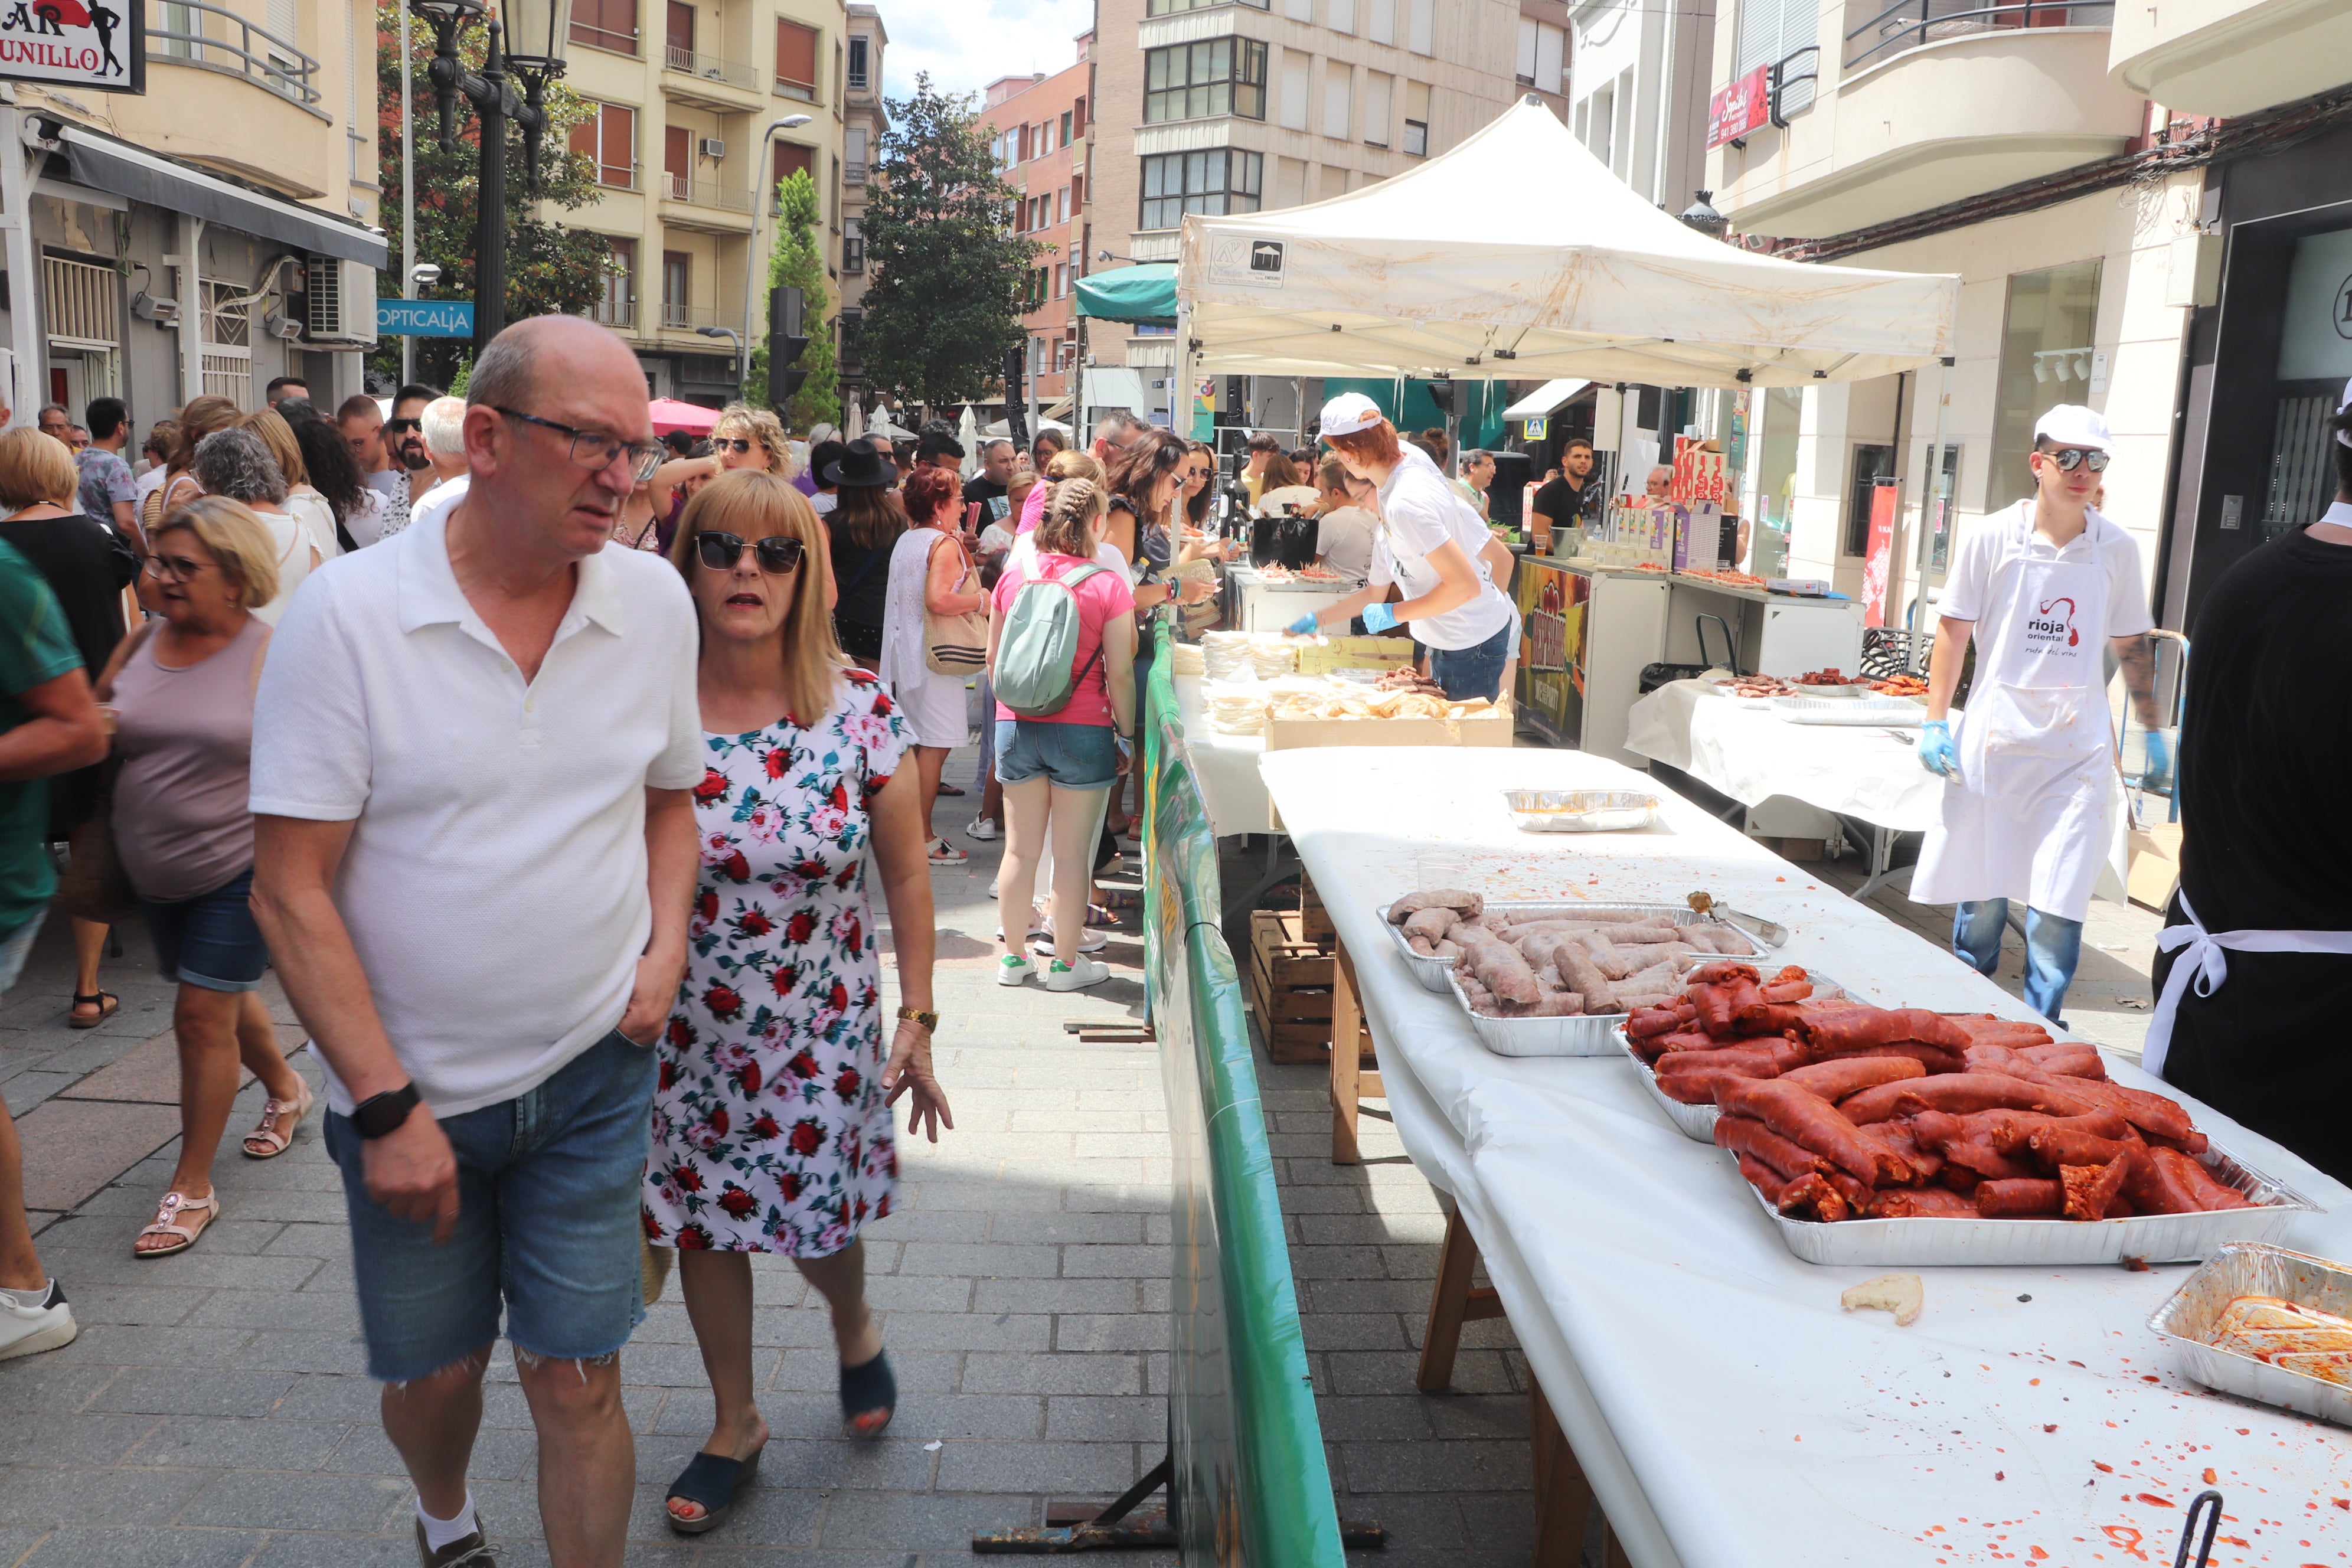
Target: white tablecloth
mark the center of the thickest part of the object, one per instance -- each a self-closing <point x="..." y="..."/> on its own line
<point x="1751" y="755"/>
<point x="1227" y="767"/>
<point x="1727" y="1412"/>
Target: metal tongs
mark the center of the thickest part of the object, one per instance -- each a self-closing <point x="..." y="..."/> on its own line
<point x="2212" y="1522"/>
<point x="1772" y="935"/>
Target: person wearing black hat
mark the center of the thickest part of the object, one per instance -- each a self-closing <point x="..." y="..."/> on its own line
<point x="865" y="525"/>
<point x="822" y="455"/>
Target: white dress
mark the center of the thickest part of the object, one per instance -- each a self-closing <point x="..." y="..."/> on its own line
<point x="931" y="705"/>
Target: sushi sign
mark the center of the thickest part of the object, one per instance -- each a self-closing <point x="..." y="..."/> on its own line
<point x="99" y="45"/>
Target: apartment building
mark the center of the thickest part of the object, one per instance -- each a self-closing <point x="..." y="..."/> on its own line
<point x="1639" y="99"/>
<point x="864" y="123"/>
<point x="1039" y="126"/>
<point x="689" y="146"/>
<point x="205" y="236"/>
<point x="1217" y="106"/>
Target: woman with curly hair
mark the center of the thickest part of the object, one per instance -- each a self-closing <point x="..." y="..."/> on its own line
<point x="773" y="1129"/>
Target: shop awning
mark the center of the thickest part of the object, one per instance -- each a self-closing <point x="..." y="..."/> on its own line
<point x="1145" y="294"/>
<point x="1450" y="266"/>
<point x="1544" y="401"/>
<point x="105" y="165"/>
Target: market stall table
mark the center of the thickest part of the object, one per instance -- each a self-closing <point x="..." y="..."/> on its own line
<point x="1255" y="602"/>
<point x="1724" y="1409"/>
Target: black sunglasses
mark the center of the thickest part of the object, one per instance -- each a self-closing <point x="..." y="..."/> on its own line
<point x="402" y="427"/>
<point x="2069" y="458"/>
<point x="731" y="444"/>
<point x="778" y="553"/>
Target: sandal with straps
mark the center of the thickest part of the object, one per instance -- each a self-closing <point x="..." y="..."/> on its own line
<point x="167" y="1217"/>
<point x="272" y="1142"/>
<point x="870" y="1395"/>
<point x="107" y="1003"/>
<point x="710" y="1482"/>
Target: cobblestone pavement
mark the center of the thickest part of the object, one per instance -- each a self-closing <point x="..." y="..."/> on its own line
<point x="213" y="1411"/>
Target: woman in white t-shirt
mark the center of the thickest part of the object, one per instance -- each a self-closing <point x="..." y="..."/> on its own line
<point x="235" y="464"/>
<point x="1432" y="546"/>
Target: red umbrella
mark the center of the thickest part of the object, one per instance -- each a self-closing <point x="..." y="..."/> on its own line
<point x="669" y="414"/>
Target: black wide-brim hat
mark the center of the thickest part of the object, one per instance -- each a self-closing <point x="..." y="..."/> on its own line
<point x="864" y="465"/>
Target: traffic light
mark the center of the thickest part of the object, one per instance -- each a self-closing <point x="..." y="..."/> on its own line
<point x="785" y="341"/>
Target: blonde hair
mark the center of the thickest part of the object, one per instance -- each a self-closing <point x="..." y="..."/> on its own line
<point x="238" y="539"/>
<point x="753" y="505"/>
<point x="278" y="436"/>
<point x="1075" y="464"/>
<point x="198" y="419"/>
<point x="764" y="428"/>
<point x="1070" y="508"/>
<point x="34" y="468"/>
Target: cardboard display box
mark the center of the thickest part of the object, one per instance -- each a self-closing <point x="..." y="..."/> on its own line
<point x="1492" y="728"/>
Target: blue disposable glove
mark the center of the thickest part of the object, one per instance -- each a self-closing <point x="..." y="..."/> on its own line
<point x="1304" y="627"/>
<point x="2157" y="771"/>
<point x="1379" y="617"/>
<point x="1936" y="753"/>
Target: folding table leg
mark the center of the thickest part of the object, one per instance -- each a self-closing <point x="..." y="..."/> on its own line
<point x="1564" y="1498"/>
<point x="1347" y="1087"/>
<point x="1452" y="1303"/>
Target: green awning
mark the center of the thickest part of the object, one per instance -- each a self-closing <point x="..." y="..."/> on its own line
<point x="1144" y="294"/>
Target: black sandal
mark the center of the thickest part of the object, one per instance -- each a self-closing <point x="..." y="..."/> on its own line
<point x="710" y="1480"/>
<point x="866" y="1390"/>
<point x="107" y="1003"/>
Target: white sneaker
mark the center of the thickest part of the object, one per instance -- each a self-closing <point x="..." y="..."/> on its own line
<point x="1089" y="939"/>
<point x="1086" y="972"/>
<point x="28" y="1331"/>
<point x="983" y="829"/>
<point x="1011" y="970"/>
<point x="992" y="886"/>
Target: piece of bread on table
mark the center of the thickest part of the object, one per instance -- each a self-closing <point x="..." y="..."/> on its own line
<point x="1901" y="1294"/>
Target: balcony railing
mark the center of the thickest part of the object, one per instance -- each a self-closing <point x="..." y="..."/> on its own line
<point x="687" y="318"/>
<point x="1909" y="24"/>
<point x="213" y="38"/>
<point x="705" y="193"/>
<point x="852" y="174"/>
<point x="711" y="68"/>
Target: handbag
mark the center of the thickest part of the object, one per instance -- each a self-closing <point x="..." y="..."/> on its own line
<point x="957" y="644"/>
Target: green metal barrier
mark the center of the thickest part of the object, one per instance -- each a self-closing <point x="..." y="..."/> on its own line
<point x="1249" y="1483"/>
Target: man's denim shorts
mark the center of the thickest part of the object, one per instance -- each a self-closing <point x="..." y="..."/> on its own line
<point x="548" y="1189"/>
<point x="1074" y="756"/>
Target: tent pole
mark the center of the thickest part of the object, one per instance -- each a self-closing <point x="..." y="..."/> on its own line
<point x="1930" y="494"/>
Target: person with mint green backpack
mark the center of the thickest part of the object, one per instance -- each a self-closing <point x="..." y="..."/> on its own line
<point x="1061" y="658"/>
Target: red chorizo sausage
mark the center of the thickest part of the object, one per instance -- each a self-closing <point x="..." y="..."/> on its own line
<point x="1715" y="974"/>
<point x="1807" y="1119"/>
<point x="2090" y="1189"/>
<point x="1767" y="1018"/>
<point x="2212" y="1191"/>
<point x="2020" y="1199"/>
<point x="2060" y="1143"/>
<point x="2066" y="1060"/>
<point x="1811" y="1196"/>
<point x="1651" y="1021"/>
<point x="1701" y="1085"/>
<point x="1835" y="1081"/>
<point x="1762" y="1178"/>
<point x="1935" y="1059"/>
<point x="1784" y="991"/>
<point x="1959" y="1093"/>
<point x="1744" y="1135"/>
<point x="1922" y="1202"/>
<point x="1925" y="1162"/>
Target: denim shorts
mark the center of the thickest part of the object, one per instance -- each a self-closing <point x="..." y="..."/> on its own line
<point x="16" y="947"/>
<point x="210" y="941"/>
<point x="1476" y="670"/>
<point x="1074" y="756"/>
<point x="547" y="1225"/>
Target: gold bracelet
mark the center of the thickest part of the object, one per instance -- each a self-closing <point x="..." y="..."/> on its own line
<point x="929" y="1021"/>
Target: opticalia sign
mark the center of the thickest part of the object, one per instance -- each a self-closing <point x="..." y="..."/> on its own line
<point x="1742" y="107"/>
<point x="97" y="45"/>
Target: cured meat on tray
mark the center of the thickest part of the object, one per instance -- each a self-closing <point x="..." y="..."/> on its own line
<point x="1532" y="964"/>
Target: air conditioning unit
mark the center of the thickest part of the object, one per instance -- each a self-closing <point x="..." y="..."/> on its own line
<point x="342" y="297"/>
<point x="713" y="147"/>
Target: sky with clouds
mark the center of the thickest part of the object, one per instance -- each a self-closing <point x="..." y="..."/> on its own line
<point x="967" y="44"/>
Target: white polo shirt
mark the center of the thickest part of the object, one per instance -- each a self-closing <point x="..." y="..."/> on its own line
<point x="495" y="881"/>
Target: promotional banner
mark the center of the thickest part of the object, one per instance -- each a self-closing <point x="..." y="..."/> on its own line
<point x="1739" y="107"/>
<point x="1879" y="555"/>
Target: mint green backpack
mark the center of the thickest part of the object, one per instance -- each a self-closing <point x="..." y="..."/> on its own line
<point x="1037" y="650"/>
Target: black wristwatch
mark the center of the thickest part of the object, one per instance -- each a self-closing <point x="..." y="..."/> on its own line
<point x="381" y="1113"/>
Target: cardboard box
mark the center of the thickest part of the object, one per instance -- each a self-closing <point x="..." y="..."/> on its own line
<point x="1353" y="653"/>
<point x="1492" y="728"/>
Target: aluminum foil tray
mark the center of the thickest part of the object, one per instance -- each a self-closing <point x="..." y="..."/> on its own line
<point x="1579" y="810"/>
<point x="1899" y="712"/>
<point x="2184" y="1324"/>
<point x="2035" y="1243"/>
<point x="1431" y="973"/>
<point x="1583" y="1035"/>
<point x="1696" y="1121"/>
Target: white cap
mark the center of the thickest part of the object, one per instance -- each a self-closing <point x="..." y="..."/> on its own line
<point x="1348" y="412"/>
<point x="2071" y="425"/>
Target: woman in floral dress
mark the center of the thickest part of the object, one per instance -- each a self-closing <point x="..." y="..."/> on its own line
<point x="772" y="1124"/>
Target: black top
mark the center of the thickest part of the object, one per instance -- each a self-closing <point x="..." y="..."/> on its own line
<point x="2266" y="844"/>
<point x="1567" y="507"/>
<point x="994" y="500"/>
<point x="87" y="565"/>
<point x="864" y="575"/>
<point x="2266" y="841"/>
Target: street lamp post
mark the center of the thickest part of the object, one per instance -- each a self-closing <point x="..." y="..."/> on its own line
<point x="753" y="272"/>
<point x="742" y="361"/>
<point x="495" y="103"/>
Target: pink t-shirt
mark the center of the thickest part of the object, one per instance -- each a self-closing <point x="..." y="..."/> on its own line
<point x="1100" y="597"/>
<point x="1033" y="506"/>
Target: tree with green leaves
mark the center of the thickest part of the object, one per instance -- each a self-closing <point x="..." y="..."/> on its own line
<point x="550" y="268"/>
<point x="795" y="261"/>
<point x="950" y="277"/>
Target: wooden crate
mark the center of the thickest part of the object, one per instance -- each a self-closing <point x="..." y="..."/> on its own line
<point x="1290" y="980"/>
<point x="1315" y="921"/>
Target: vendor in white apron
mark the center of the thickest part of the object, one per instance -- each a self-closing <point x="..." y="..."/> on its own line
<point x="2043" y="587"/>
<point x="2256" y="959"/>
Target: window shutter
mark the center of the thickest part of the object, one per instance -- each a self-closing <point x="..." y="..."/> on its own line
<point x="796" y="54"/>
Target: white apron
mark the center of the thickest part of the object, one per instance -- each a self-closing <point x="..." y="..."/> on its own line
<point x="2029" y="816"/>
<point x="2203" y="965"/>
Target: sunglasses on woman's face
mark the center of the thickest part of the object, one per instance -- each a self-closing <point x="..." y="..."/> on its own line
<point x="731" y="444"/>
<point x="778" y="553"/>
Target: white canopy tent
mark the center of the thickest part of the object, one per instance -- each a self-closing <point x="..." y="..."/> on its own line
<point x="1461" y="265"/>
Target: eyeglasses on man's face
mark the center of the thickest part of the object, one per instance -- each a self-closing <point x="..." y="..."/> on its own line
<point x="2069" y="458"/>
<point x="594" y="450"/>
<point x="778" y="553"/>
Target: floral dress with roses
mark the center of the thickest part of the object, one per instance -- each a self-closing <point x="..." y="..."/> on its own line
<point x="769" y="1132"/>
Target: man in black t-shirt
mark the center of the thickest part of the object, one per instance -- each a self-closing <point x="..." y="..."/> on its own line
<point x="990" y="485"/>
<point x="1573" y="500"/>
<point x="2266" y="844"/>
